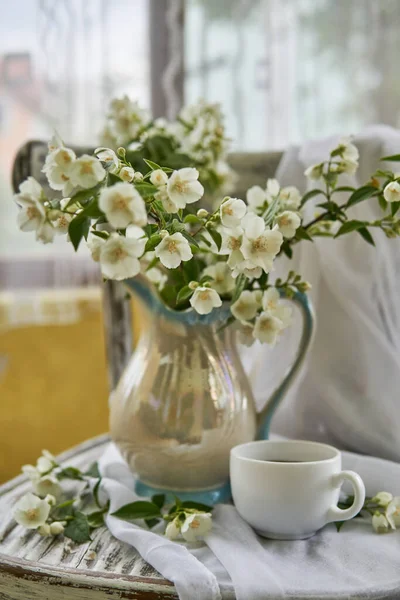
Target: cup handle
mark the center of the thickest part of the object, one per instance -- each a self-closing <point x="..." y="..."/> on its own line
<point x="338" y="514"/>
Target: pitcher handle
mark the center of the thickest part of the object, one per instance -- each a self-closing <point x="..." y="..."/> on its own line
<point x="265" y="416"/>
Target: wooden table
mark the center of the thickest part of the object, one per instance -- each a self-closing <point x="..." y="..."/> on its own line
<point x="36" y="568"/>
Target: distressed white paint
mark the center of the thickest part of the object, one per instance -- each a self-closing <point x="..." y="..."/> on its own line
<point x="32" y="567"/>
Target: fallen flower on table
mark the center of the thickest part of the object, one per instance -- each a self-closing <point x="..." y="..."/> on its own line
<point x="51" y="511"/>
<point x="383" y="508"/>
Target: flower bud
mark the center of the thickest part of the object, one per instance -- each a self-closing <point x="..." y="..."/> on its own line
<point x="56" y="528"/>
<point x="193" y="285"/>
<point x="44" y="530"/>
<point x="121" y="152"/>
<point x="50" y="500"/>
<point x="163" y="233"/>
<point x="138" y="177"/>
<point x="383" y="499"/>
<point x="209" y="225"/>
<point x="202" y="213"/>
<point x="127" y="174"/>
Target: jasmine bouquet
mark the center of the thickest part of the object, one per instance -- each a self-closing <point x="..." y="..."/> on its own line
<point x="137" y="205"/>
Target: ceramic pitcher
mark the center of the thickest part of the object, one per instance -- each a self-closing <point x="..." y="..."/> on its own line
<point x="184" y="399"/>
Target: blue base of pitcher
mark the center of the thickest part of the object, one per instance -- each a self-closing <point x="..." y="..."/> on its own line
<point x="211" y="497"/>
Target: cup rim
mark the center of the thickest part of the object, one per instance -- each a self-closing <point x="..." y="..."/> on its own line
<point x="235" y="452"/>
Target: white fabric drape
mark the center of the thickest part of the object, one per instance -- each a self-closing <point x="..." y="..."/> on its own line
<point x="234" y="561"/>
<point x="348" y="393"/>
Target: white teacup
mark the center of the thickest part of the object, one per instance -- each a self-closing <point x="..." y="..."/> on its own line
<point x="287" y="490"/>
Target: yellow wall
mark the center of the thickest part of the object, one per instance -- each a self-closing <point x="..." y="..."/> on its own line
<point x="53" y="384"/>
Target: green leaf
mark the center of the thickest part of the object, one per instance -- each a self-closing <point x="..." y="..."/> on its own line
<point x="350" y="226"/>
<point x="363" y="231"/>
<point x="309" y="195"/>
<point x="84" y="195"/>
<point x="96" y="519"/>
<point x="101" y="234"/>
<point x="112" y="179"/>
<point x="344" y="188"/>
<point x="152" y="242"/>
<point x="394" y="207"/>
<point x="158" y="500"/>
<point x="150" y="228"/>
<point x="93" y="471"/>
<point x="382" y="202"/>
<point x="301" y="234"/>
<point x="70" y="473"/>
<point x="153" y="166"/>
<point x="151" y="522"/>
<point x="361" y="194"/>
<point x="78" y="529"/>
<point x="240" y="285"/>
<point x="286" y="249"/>
<point x="184" y="294"/>
<point x="197" y="505"/>
<point x="66" y="509"/>
<point x="339" y="525"/>
<point x="146" y="189"/>
<point x="190" y="238"/>
<point x="96" y="492"/>
<point x="216" y="237"/>
<point x="92" y="210"/>
<point x="393" y="158"/>
<point x="137" y="510"/>
<point x="192" y="219"/>
<point x="77" y="229"/>
<point x="177" y="226"/>
<point x="204" y="239"/>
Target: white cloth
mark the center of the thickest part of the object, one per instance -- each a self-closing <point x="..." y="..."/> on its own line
<point x="348" y="392"/>
<point x="354" y="563"/>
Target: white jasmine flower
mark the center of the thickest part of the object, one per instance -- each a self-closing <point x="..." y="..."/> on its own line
<point x="349" y="152"/>
<point x="31" y="512"/>
<point x="44" y="464"/>
<point x="109" y="158"/>
<point x="45" y="233"/>
<point x="46" y="485"/>
<point x="245" y="334"/>
<point x="231" y="243"/>
<point x="55" y="142"/>
<point x="30" y="471"/>
<point x="56" y="528"/>
<point x="173" y="529"/>
<point x="245" y="267"/>
<point x="86" y="171"/>
<point x="204" y="300"/>
<point x="158" y="177"/>
<point x="183" y="187"/>
<point x="57" y="168"/>
<point x="391" y="193"/>
<point x="348" y="166"/>
<point x="127" y="174"/>
<point x="383" y="499"/>
<point x="273" y="187"/>
<point x="157" y="277"/>
<point x="256" y="198"/>
<point x="380" y="523"/>
<point x="270" y="299"/>
<point x="290" y="198"/>
<point x="195" y="526"/>
<point x="314" y="171"/>
<point x="246" y="306"/>
<point x="168" y="205"/>
<point x="123" y="205"/>
<point x="119" y="256"/>
<point x="232" y="212"/>
<point x="288" y="222"/>
<point x="284" y="314"/>
<point x="172" y="250"/>
<point x="393" y="512"/>
<point x="223" y="282"/>
<point x="94" y="244"/>
<point x="260" y="245"/>
<point x="267" y="328"/>
<point x="51" y="500"/>
<point x="44" y="530"/>
<point x="60" y="221"/>
<point x="32" y="214"/>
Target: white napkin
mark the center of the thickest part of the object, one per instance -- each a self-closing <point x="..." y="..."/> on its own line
<point x="354" y="563"/>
